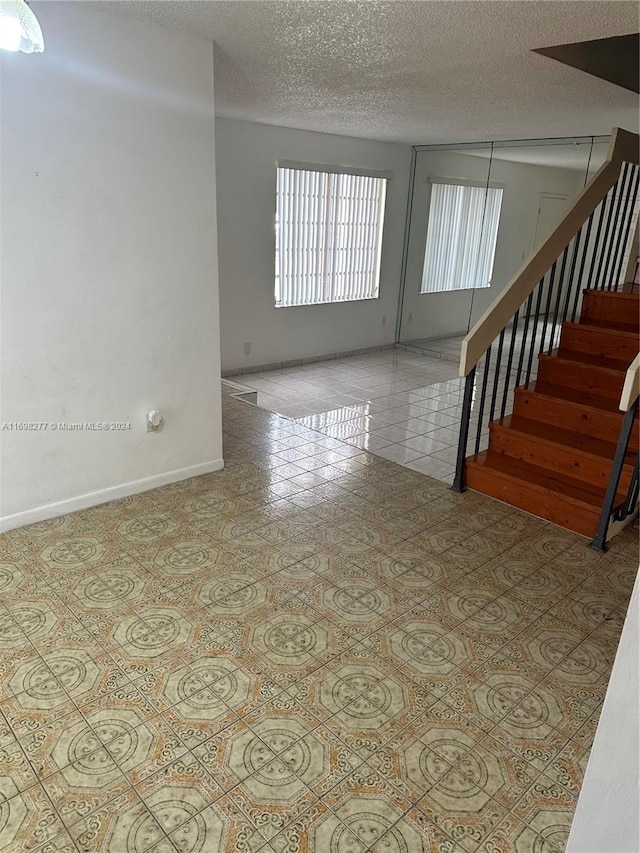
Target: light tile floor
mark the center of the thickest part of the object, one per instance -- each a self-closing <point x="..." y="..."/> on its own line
<point x="402" y="404"/>
<point x="313" y="650"/>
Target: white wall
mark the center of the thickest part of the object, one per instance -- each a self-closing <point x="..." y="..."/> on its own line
<point x="431" y="315"/>
<point x="109" y="267"/>
<point x="606" y="818"/>
<point x="247" y="155"/>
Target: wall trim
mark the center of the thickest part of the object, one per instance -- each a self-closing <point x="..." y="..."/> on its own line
<point x="423" y="349"/>
<point x="296" y="362"/>
<point x="42" y="513"/>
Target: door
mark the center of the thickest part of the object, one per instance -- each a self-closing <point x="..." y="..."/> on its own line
<point x="550" y="210"/>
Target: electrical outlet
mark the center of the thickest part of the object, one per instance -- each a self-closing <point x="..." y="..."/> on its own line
<point x="410" y="316"/>
<point x="384" y="320"/>
<point x="155" y="421"/>
<point x="247" y="349"/>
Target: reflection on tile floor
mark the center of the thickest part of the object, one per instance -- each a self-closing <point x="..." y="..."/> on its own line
<point x="402" y="404"/>
<point x="448" y="348"/>
<point x="313" y="650"/>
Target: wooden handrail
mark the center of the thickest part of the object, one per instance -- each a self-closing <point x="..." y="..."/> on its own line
<point x="631" y="387"/>
<point x="623" y="147"/>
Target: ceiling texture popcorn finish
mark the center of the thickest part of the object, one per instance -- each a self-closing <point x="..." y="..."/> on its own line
<point x="417" y="72"/>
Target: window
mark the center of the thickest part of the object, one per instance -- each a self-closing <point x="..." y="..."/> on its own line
<point x="328" y="236"/>
<point x="461" y="236"/>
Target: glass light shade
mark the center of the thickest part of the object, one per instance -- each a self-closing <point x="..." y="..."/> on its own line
<point x="19" y="28"/>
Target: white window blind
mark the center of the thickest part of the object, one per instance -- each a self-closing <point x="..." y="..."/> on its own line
<point x="461" y="237"/>
<point x="328" y="236"/>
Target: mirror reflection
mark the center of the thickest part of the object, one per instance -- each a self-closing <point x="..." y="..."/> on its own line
<point x="477" y="212"/>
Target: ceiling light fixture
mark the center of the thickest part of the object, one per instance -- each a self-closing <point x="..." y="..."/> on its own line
<point x="19" y="28"/>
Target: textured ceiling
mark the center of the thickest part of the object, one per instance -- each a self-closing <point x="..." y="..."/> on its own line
<point x="419" y="72"/>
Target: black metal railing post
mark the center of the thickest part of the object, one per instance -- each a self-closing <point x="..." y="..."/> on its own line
<point x="610" y="229"/>
<point x="585" y="248"/>
<point x="467" y="399"/>
<point x="572" y="279"/>
<point x="554" y="322"/>
<point x="618" y="227"/>
<point x="507" y="378"/>
<point x="596" y="243"/>
<point x="627" y="221"/>
<point x="632" y="494"/>
<point x="599" y="542"/>
<point x="482" y="396"/>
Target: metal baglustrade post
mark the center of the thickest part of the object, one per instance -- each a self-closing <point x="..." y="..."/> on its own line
<point x="458" y="480"/>
<point x="632" y="494"/>
<point x="599" y="542"/>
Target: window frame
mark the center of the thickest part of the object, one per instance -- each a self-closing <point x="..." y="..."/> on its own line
<point x="356" y="171"/>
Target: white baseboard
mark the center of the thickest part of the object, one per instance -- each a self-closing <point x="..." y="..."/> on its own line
<point x="42" y="513"/>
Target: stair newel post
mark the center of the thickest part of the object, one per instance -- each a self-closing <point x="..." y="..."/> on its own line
<point x="458" y="481"/>
<point x="599" y="542"/>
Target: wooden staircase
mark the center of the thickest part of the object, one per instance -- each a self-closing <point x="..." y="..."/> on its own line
<point x="552" y="456"/>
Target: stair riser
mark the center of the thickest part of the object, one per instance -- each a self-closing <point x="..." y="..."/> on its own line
<point x="548" y="458"/>
<point x="555" y="458"/>
<point x="577" y="338"/>
<point x="555" y="411"/>
<point x="554" y="508"/>
<point x="611" y="310"/>
<point x="579" y="377"/>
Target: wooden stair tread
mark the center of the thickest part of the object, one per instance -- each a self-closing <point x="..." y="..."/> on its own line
<point x="592" y="326"/>
<point x="611" y="309"/>
<point x="605" y="325"/>
<point x="581" y="358"/>
<point x="553" y="455"/>
<point x="588" y="401"/>
<point x="594" y="359"/>
<point x="558" y="435"/>
<point x="618" y="295"/>
<point x="579" y="416"/>
<point x="541" y="480"/>
<point x="615" y="347"/>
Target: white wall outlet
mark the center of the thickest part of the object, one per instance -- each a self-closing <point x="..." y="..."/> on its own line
<point x="154" y="420"/>
<point x="247" y="349"/>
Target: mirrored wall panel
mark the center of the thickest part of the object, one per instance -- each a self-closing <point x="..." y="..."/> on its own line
<point x="476" y="214"/>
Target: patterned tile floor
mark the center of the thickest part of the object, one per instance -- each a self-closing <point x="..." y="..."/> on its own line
<point x="313" y="650"/>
